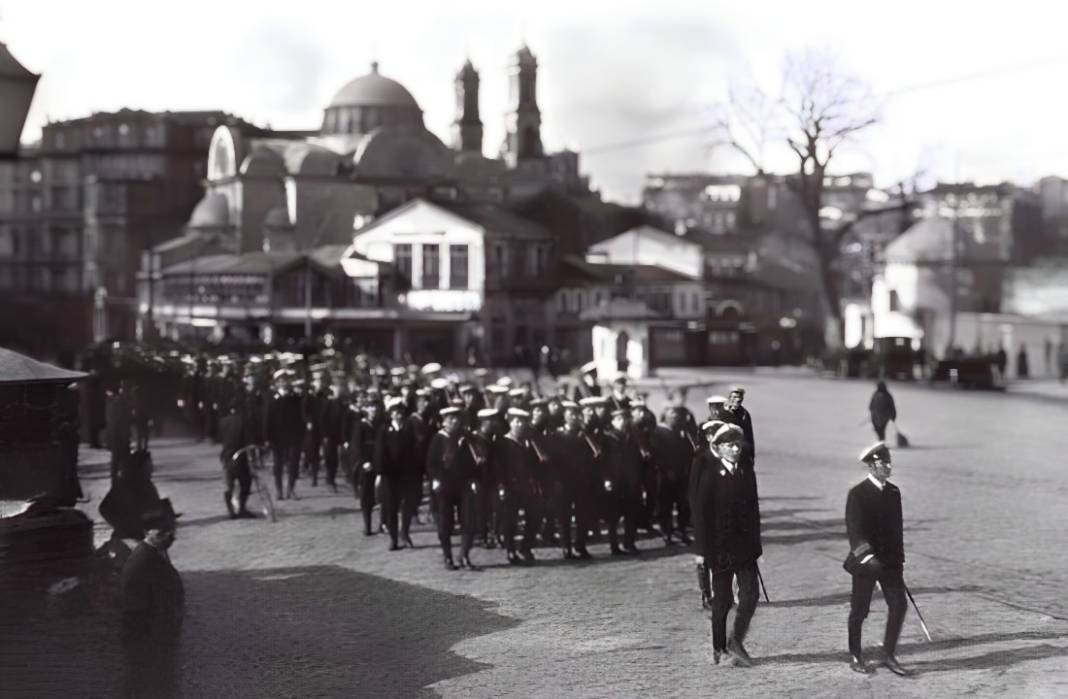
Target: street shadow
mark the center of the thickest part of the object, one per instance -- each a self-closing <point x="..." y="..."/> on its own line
<point x="308" y="631"/>
<point x="790" y="512"/>
<point x="330" y="513"/>
<point x="839" y="599"/>
<point x="774" y="498"/>
<point x="203" y="521"/>
<point x="993" y="660"/>
<point x="599" y="558"/>
<point x="803" y="538"/>
<point x="985" y="661"/>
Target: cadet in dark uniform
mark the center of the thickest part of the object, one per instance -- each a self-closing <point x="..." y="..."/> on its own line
<point x="311" y="414"/>
<point x="734" y="413"/>
<point x="622" y="486"/>
<point x="332" y="424"/>
<point x="517" y="467"/>
<point x="877" y="554"/>
<point x="234" y="436"/>
<point x="362" y="431"/>
<point x="482" y="445"/>
<point x="394" y="451"/>
<point x="673" y="452"/>
<point x="587" y="386"/>
<point x="286" y="434"/>
<point x="703" y="452"/>
<point x="579" y="478"/>
<point x="451" y="469"/>
<point x="726" y="516"/>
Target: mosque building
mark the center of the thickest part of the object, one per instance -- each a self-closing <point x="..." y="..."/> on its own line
<point x="420" y="241"/>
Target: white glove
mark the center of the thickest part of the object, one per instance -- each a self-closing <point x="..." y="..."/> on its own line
<point x="474" y="487"/>
<point x="367" y="467"/>
<point x="345" y="445"/>
<point x="608" y="486"/>
<point x="378" y="481"/>
<point x="500" y="493"/>
<point x="435" y="484"/>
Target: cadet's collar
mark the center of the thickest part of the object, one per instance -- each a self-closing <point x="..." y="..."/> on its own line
<point x="878" y="484"/>
<point x="731" y="466"/>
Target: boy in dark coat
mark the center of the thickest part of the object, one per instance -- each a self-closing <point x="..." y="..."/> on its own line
<point x="726" y="518"/>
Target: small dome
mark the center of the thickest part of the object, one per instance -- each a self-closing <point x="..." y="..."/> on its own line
<point x="374" y="90"/>
<point x="263" y="162"/>
<point x="213" y="211"/>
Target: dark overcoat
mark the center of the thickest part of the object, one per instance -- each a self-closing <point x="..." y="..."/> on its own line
<point x="726" y="512"/>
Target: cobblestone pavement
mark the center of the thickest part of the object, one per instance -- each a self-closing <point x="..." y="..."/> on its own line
<point x="309" y="607"/>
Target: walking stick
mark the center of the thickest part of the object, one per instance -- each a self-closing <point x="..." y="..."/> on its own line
<point x="762" y="586"/>
<point x="923" y="624"/>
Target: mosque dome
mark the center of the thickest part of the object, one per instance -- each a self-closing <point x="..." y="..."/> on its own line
<point x="368" y="102"/>
<point x="374" y="90"/>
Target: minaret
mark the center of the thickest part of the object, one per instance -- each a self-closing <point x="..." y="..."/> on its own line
<point x="523" y="123"/>
<point x="17" y="86"/>
<point x="467" y="129"/>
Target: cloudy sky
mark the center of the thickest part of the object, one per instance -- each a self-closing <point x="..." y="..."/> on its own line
<point x="972" y="90"/>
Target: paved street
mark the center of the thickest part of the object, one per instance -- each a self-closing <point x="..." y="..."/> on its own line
<point x="309" y="607"/>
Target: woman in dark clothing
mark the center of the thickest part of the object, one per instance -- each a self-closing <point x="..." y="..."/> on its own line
<point x="882" y="410"/>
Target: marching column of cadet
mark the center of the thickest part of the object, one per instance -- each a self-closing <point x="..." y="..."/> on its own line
<point x="503" y="466"/>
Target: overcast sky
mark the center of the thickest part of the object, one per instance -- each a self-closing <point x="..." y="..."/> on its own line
<point x="610" y="72"/>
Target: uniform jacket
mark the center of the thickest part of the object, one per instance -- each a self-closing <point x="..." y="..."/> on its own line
<point x="622" y="459"/>
<point x="672" y="453"/>
<point x="873" y="522"/>
<point x="395" y="450"/>
<point x="516" y="465"/>
<point x="449" y="459"/>
<point x="725" y="511"/>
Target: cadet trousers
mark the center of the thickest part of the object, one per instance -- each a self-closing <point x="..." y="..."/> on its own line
<point x="671" y="499"/>
<point x="456" y="498"/>
<point x="723" y="600"/>
<point x="893" y="584"/>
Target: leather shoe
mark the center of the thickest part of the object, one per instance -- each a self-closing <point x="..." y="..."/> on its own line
<point x="583" y="554"/>
<point x="895" y="667"/>
<point x="858" y="665"/>
<point x="738" y="651"/>
<point x="449" y="564"/>
<point x="717" y="655"/>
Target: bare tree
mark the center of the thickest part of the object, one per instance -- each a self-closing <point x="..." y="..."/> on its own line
<point x="820" y="108"/>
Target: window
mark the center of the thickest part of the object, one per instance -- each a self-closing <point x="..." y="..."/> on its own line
<point x="457" y="266"/>
<point x="518" y="261"/>
<point x="402" y="258"/>
<point x="431" y="267"/>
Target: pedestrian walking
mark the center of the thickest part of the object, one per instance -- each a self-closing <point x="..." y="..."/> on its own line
<point x="882" y="410"/>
